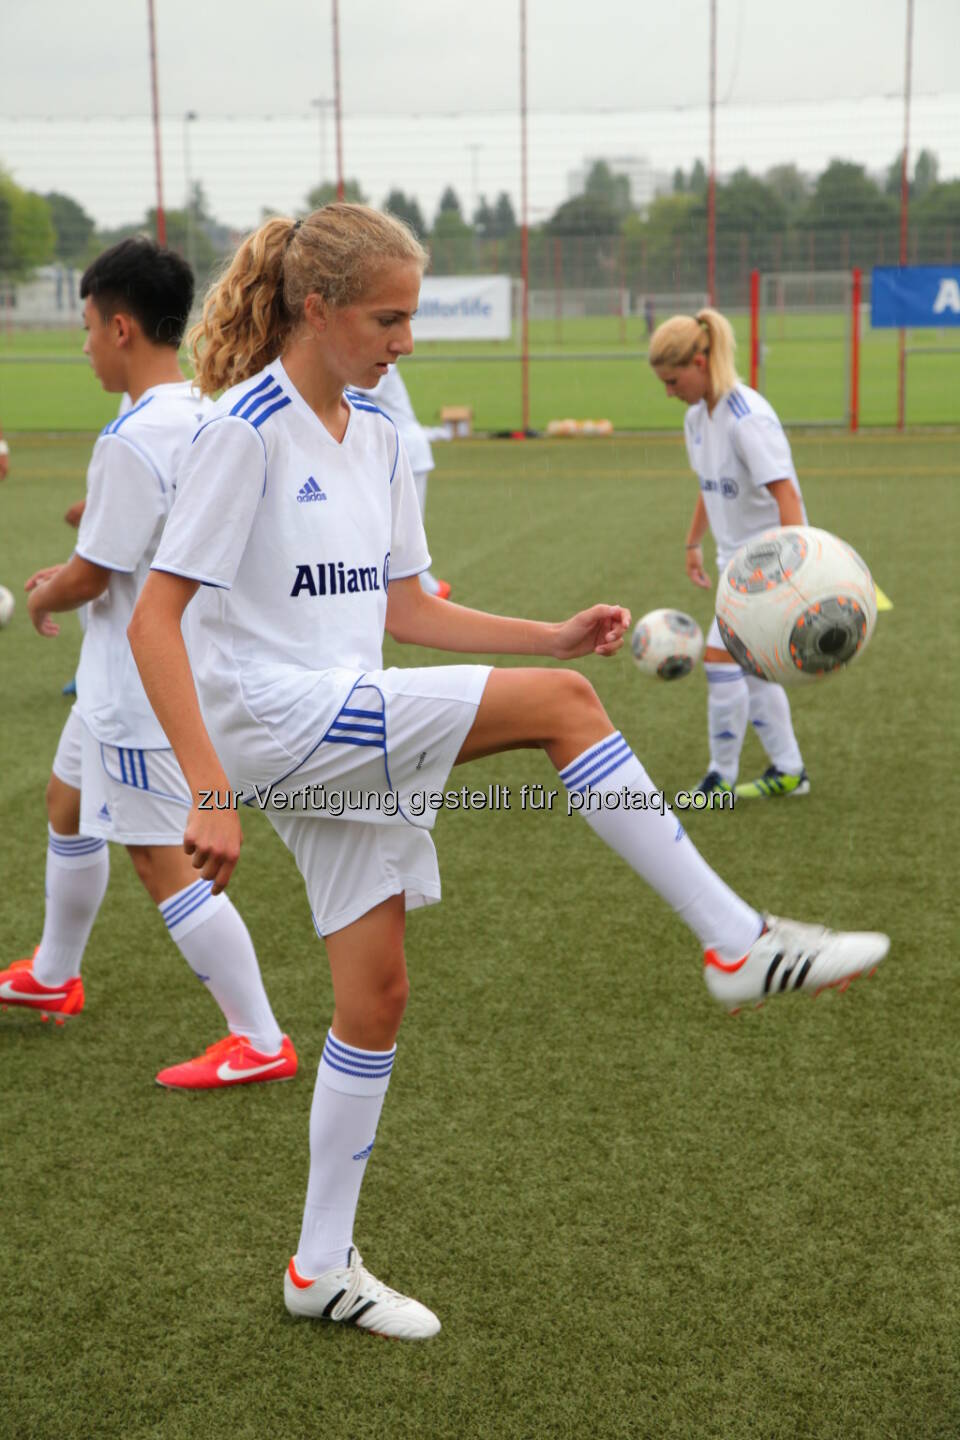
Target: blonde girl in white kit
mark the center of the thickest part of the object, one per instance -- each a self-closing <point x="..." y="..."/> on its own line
<point x="295" y="512"/>
<point x="741" y="457"/>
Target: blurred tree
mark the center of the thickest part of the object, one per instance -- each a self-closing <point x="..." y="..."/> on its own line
<point x="504" y="218"/>
<point x="698" y="178"/>
<point x="483" y="218"/>
<point x="326" y="193"/>
<point x="845" y="198"/>
<point x="600" y="210"/>
<point x="449" y="203"/>
<point x="893" y="181"/>
<point x="745" y="204"/>
<point x="31" y="236"/>
<point x="452" y="239"/>
<point x="791" y="186"/>
<point x="495" y="222"/>
<point x="73" y="226"/>
<point x="406" y="209"/>
<point x="936" y="216"/>
<point x="925" y="173"/>
<point x="679" y="181"/>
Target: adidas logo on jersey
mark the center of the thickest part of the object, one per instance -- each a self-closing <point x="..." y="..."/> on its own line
<point x="103" y="812"/>
<point x="310" y="491"/>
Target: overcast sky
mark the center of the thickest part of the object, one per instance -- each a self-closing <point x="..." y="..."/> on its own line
<point x="430" y="89"/>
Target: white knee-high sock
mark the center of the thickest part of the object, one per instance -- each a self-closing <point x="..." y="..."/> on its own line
<point x="214" y="941"/>
<point x="347" y="1100"/>
<point x="78" y="868"/>
<point x="610" y="788"/>
<point x="728" y="706"/>
<point x="770" y="717"/>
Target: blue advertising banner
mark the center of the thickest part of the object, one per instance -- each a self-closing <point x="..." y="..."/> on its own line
<point x="915" y="296"/>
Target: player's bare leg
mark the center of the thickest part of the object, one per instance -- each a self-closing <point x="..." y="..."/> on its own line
<point x="326" y="1279"/>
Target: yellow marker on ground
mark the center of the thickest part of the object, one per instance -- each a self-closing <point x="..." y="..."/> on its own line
<point x="883" y="601"/>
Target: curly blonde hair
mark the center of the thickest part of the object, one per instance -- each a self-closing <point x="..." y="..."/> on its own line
<point x="709" y="333"/>
<point x="251" y="311"/>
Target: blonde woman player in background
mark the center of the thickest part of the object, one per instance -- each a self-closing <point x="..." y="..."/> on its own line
<point x="294" y="539"/>
<point x="114" y="776"/>
<point x="394" y="400"/>
<point x="741" y="457"/>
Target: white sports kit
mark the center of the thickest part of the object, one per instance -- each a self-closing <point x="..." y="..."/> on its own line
<point x="112" y="748"/>
<point x="288" y="651"/>
<point x="736" y="453"/>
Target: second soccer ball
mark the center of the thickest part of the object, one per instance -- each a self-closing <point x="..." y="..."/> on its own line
<point x="667" y="644"/>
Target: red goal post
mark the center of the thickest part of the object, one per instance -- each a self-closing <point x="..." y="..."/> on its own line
<point x="805" y="344"/>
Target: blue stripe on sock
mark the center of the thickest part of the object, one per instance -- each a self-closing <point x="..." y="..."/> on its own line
<point x="356" y="1062"/>
<point x="603" y="766"/>
<point x="572" y="773"/>
<point x="75" y="845"/>
<point x="200" y="900"/>
<point x="175" y="908"/>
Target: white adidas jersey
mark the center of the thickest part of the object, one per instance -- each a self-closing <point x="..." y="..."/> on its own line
<point x="294" y="536"/>
<point x="736" y="453"/>
<point x="129" y="494"/>
<point x="394" y="400"/>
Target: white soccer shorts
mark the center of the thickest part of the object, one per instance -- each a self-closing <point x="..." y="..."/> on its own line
<point x="130" y="796"/>
<point x="360" y="831"/>
<point x="392" y="743"/>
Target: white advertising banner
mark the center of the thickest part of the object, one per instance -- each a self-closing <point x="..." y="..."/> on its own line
<point x="463" y="307"/>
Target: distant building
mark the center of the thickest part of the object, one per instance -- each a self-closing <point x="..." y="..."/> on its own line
<point x="48" y="298"/>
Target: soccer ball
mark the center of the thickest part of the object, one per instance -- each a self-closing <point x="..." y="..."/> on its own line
<point x="7" y="606"/>
<point x="667" y="643"/>
<point x="796" y="604"/>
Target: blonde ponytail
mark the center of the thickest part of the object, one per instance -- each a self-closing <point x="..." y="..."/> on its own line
<point x="250" y="313"/>
<point x="245" y="321"/>
<point x="722" y="347"/>
<point x="679" y="339"/>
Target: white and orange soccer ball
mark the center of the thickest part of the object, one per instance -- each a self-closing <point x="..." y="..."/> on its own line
<point x="7" y="606"/>
<point x="796" y="604"/>
<point x="667" y="644"/>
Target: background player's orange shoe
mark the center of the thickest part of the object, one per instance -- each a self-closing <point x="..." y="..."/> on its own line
<point x="443" y="590"/>
<point x="18" y="987"/>
<point x="232" y="1061"/>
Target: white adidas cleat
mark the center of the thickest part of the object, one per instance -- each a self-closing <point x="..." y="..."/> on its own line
<point x="355" y="1297"/>
<point x="788" y="956"/>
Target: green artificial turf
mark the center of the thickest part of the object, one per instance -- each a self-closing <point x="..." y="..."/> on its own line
<point x="601" y="373"/>
<point x="635" y="1216"/>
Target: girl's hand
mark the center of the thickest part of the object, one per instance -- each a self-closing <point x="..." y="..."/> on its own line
<point x="693" y="560"/>
<point x="597" y="631"/>
<point x="40" y="618"/>
<point x="38" y="576"/>
<point x="213" y="839"/>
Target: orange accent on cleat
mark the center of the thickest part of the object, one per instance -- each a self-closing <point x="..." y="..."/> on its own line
<point x="729" y="967"/>
<point x="18" y="987"/>
<point x="298" y="1280"/>
<point x="231" y="1061"/>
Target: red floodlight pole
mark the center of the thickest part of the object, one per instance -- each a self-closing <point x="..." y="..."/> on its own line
<point x="754" y="328"/>
<point x="712" y="178"/>
<point x="524" y="231"/>
<point x="336" y="97"/>
<point x="904" y="216"/>
<point x="161" y="217"/>
<point x="855" y="351"/>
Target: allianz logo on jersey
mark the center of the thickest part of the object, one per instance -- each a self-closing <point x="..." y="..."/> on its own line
<point x="727" y="487"/>
<point x="334" y="577"/>
<point x="310" y="491"/>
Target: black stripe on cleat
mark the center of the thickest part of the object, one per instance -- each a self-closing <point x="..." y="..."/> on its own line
<point x="774" y="964"/>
